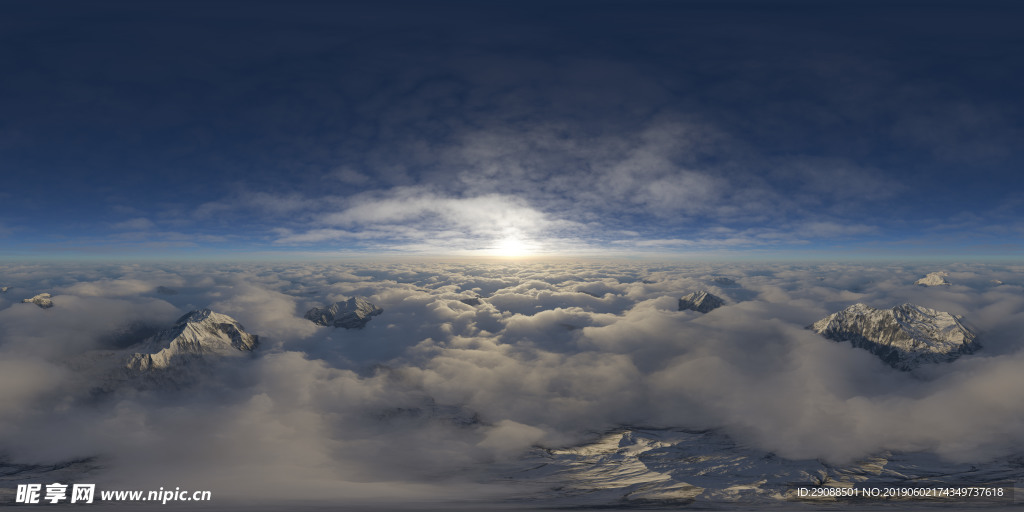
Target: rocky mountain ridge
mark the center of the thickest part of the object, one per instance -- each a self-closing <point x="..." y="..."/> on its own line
<point x="170" y="359"/>
<point x="354" y="313"/>
<point x="197" y="334"/>
<point x="42" y="300"/>
<point x="905" y="336"/>
<point x="934" y="279"/>
<point x="701" y="301"/>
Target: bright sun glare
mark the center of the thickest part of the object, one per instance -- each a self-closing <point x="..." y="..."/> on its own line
<point x="512" y="247"/>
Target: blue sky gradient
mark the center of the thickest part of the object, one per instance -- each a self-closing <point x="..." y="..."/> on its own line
<point x="724" y="129"/>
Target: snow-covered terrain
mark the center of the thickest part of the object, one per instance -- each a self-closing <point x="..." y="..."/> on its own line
<point x="905" y="336"/>
<point x="42" y="300"/>
<point x="700" y="301"/>
<point x="642" y="467"/>
<point x="354" y="313"/>
<point x="934" y="279"/>
<point x="175" y="357"/>
<point x="198" y="334"/>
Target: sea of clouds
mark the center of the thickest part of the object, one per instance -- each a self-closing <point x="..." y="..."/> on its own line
<point x="435" y="392"/>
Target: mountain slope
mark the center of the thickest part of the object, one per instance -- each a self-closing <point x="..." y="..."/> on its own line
<point x="701" y="301"/>
<point x="42" y="300"/>
<point x="173" y="358"/>
<point x="934" y="279"/>
<point x="905" y="336"/>
<point x="354" y="313"/>
<point x="198" y="334"/>
<point x="643" y="467"/>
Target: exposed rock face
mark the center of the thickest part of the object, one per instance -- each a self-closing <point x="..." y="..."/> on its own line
<point x="354" y="313"/>
<point x="198" y="334"/>
<point x="934" y="279"/>
<point x="904" y="337"/>
<point x="701" y="301"/>
<point x="42" y="300"/>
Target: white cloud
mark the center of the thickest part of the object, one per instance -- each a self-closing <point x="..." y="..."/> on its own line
<point x="420" y="220"/>
<point x="434" y="387"/>
<point x="491" y="214"/>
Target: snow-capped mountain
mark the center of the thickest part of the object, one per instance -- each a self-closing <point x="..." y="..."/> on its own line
<point x="198" y="334"/>
<point x="701" y="301"/>
<point x="42" y="300"/>
<point x="172" y="358"/>
<point x="354" y="313"/>
<point x="905" y="336"/>
<point x="934" y="279"/>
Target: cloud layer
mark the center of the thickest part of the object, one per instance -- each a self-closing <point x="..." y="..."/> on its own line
<point x="436" y="392"/>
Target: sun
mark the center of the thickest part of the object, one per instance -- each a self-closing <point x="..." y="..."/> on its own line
<point x="512" y="247"/>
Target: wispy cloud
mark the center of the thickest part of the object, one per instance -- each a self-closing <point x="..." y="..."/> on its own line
<point x="422" y="218"/>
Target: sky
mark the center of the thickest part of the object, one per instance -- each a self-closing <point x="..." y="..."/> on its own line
<point x="724" y="129"/>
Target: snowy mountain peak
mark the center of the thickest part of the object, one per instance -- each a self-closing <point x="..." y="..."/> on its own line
<point x="196" y="334"/>
<point x="210" y="330"/>
<point x="42" y="300"/>
<point x="354" y="313"/>
<point x="905" y="336"/>
<point x="701" y="301"/>
<point x="934" y="279"/>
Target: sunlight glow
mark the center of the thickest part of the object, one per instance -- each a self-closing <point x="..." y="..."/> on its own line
<point x="512" y="247"/>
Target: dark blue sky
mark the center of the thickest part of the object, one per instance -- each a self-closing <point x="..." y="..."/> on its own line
<point x="229" y="128"/>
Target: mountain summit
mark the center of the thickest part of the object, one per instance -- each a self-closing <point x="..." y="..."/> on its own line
<point x="42" y="300"/>
<point x="934" y="279"/>
<point x="905" y="336"/>
<point x="197" y="334"/>
<point x="354" y="313"/>
<point x="173" y="358"/>
<point x="701" y="301"/>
